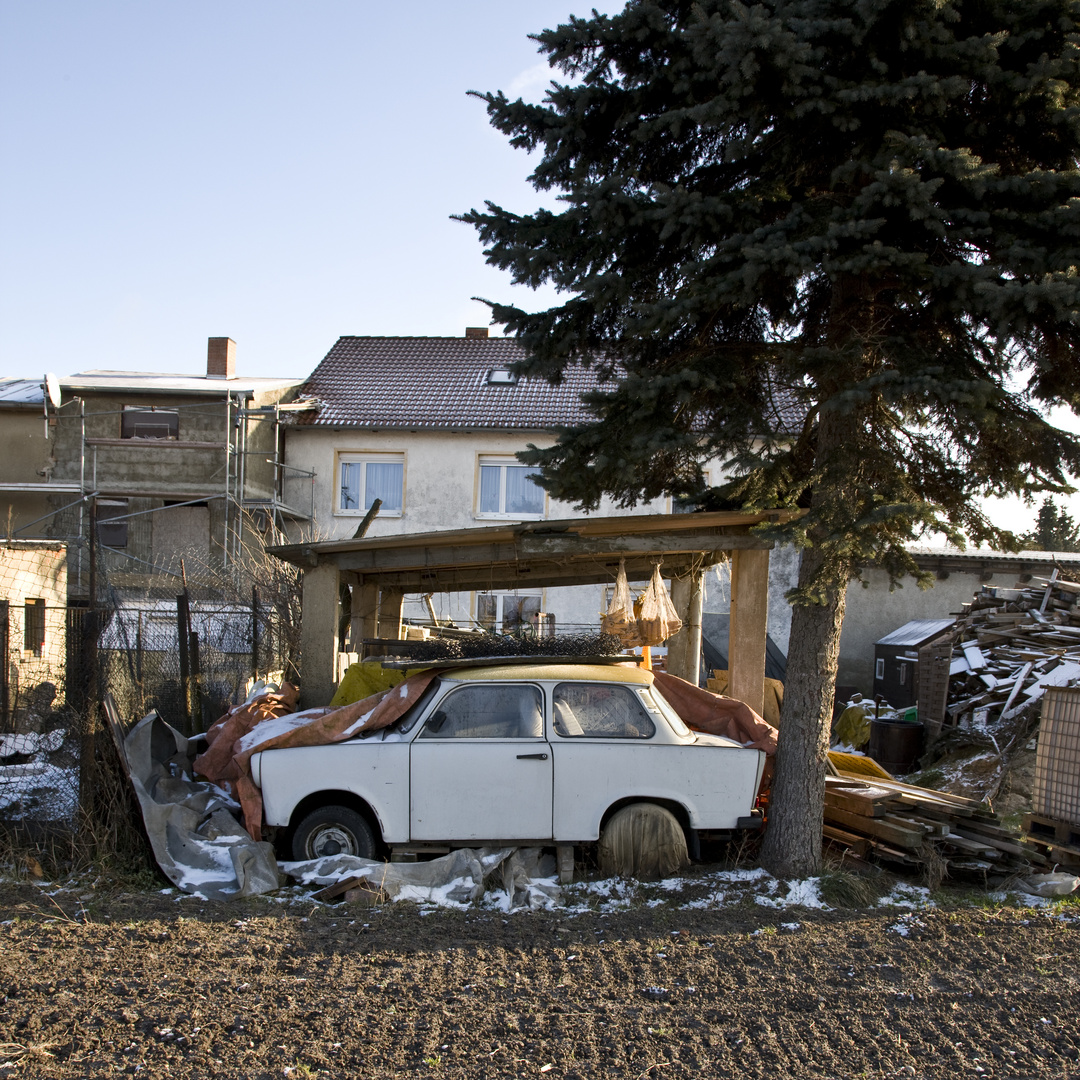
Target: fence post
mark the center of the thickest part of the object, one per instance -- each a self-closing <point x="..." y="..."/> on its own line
<point x="183" y="628"/>
<point x="88" y="743"/>
<point x="254" y="633"/>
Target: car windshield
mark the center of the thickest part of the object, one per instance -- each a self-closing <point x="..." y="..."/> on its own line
<point x="655" y="700"/>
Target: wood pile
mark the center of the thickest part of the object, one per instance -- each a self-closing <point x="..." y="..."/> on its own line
<point x="946" y="835"/>
<point x="1010" y="645"/>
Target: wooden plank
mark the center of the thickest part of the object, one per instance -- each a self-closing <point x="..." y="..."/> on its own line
<point x="1021" y="675"/>
<point x="858" y="844"/>
<point x="895" y="831"/>
<point x="974" y="655"/>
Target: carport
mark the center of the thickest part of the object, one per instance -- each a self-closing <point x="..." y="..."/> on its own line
<point x="539" y="554"/>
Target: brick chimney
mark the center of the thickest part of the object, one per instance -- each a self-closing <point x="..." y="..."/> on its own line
<point x="476" y="331"/>
<point x="220" y="358"/>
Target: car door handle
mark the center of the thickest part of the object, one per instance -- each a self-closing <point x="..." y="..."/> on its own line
<point x="532" y="757"/>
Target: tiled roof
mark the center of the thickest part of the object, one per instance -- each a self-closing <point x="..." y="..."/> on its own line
<point x="442" y="383"/>
<point x="434" y="382"/>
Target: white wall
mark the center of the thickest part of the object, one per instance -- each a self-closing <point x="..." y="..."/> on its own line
<point x="441" y="477"/>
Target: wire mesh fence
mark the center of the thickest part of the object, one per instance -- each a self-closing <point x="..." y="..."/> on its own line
<point x="185" y="643"/>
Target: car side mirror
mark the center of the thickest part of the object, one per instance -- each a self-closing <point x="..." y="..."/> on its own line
<point x="436" y="722"/>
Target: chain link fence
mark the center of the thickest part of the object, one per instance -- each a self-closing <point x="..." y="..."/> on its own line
<point x="185" y="641"/>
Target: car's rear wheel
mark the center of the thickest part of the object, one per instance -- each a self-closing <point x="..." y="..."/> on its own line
<point x="333" y="830"/>
<point x="642" y="840"/>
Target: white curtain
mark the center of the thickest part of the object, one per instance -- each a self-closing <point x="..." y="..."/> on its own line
<point x="523" y="496"/>
<point x="384" y="481"/>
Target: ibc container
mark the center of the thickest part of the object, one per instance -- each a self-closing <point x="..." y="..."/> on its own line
<point x="1056" y="791"/>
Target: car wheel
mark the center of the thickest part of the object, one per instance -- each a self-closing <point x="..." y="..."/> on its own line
<point x="333" y="830"/>
<point x="644" y="841"/>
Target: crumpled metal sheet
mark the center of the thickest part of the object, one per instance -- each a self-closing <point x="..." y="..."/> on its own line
<point x="199" y="845"/>
<point x="524" y="877"/>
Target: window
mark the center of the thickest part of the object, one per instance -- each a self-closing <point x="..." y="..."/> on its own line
<point x="149" y="422"/>
<point x="506" y="490"/>
<point x="34" y="626"/>
<point x="363" y="478"/>
<point x="600" y="711"/>
<point x="508" y="613"/>
<point x="879" y="668"/>
<point x="488" y="712"/>
<point x="681" y="504"/>
<point x="112" y="533"/>
<point x="903" y="673"/>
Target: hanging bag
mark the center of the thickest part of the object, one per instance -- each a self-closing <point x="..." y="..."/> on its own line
<point x="619" y="618"/>
<point x="659" y="620"/>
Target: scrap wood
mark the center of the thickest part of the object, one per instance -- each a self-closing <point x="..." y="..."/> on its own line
<point x="893" y="830"/>
<point x="864" y="799"/>
<point x="853" y="841"/>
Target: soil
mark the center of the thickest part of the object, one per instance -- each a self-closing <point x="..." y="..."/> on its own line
<point x="146" y="985"/>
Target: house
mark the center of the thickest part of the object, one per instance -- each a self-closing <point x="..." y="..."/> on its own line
<point x="165" y="466"/>
<point x="33" y="631"/>
<point x="26" y="459"/>
<point x="430" y="426"/>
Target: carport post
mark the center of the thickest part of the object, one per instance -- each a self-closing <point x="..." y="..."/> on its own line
<point x="365" y="614"/>
<point x="684" y="649"/>
<point x="749" y="623"/>
<point x="318" y="635"/>
<point x="390" y="607"/>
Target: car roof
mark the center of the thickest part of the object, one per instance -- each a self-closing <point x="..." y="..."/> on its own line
<point x="629" y="673"/>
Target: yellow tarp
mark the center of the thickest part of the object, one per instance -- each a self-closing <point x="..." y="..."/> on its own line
<point x="367" y="678"/>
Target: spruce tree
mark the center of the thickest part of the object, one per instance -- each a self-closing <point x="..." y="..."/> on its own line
<point x="1055" y="530"/>
<point x="870" y="208"/>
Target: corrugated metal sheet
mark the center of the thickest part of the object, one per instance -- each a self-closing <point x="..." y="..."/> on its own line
<point x="916" y="632"/>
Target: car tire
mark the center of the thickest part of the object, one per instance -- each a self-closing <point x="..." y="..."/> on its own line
<point x="333" y="830"/>
<point x="642" y="841"/>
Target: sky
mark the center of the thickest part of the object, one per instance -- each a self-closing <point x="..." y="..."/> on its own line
<point x="275" y="172"/>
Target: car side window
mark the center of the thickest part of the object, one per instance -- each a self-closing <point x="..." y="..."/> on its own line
<point x="497" y="711"/>
<point x="600" y="711"/>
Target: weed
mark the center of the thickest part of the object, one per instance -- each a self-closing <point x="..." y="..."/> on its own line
<point x="841" y="889"/>
<point x="433" y="1062"/>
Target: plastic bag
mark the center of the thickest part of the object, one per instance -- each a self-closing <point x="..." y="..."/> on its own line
<point x="658" y="620"/>
<point x="619" y="618"/>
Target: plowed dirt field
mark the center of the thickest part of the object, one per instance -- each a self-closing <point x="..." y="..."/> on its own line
<point x="143" y="985"/>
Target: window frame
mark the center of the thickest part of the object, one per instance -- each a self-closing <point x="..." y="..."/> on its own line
<point x="366" y="457"/>
<point x="502" y="462"/>
<point x="169" y="415"/>
<point x="34" y="620"/>
<point x="500" y="596"/>
<point x="118" y="537"/>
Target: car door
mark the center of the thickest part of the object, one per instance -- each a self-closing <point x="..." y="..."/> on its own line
<point x="480" y="768"/>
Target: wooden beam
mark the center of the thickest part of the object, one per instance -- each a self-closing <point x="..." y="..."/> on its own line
<point x="749" y="622"/>
<point x="657" y="544"/>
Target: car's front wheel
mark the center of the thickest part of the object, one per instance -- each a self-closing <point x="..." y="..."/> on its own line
<point x="333" y="830"/>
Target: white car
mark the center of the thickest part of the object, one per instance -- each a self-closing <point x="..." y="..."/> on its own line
<point x="531" y="754"/>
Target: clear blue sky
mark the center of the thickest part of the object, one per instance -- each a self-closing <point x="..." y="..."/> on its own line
<point x="278" y="172"/>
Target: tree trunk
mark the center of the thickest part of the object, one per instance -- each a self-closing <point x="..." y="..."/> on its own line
<point x="792" y="846"/>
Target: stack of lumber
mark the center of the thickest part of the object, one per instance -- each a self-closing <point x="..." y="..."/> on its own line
<point x="894" y="822"/>
<point x="1010" y="645"/>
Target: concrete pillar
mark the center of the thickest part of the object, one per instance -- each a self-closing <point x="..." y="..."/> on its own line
<point x="318" y="635"/>
<point x="684" y="649"/>
<point x="749" y="623"/>
<point x="390" y="607"/>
